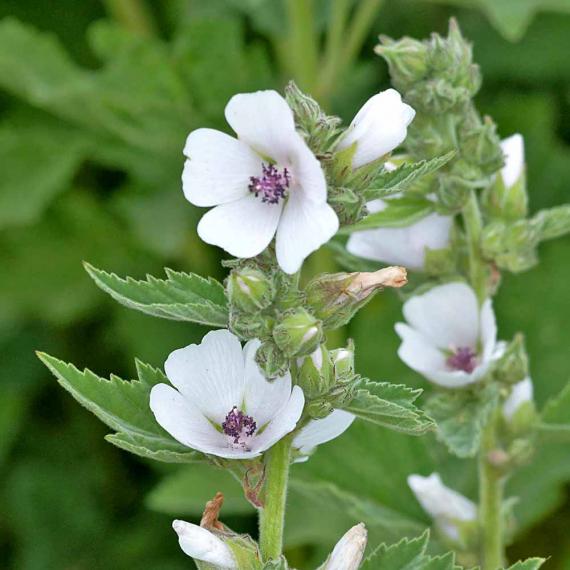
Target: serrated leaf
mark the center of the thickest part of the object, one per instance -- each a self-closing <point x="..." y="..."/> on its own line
<point x="124" y="407"/>
<point x="408" y="554"/>
<point x="460" y="417"/>
<point x="390" y="405"/>
<point x="391" y="182"/>
<point x="180" y="297"/>
<point x="399" y="212"/>
<point x="528" y="564"/>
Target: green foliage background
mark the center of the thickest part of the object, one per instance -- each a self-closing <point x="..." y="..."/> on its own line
<point x="92" y="122"/>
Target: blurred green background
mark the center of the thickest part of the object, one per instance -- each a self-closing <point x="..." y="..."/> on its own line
<point x="96" y="99"/>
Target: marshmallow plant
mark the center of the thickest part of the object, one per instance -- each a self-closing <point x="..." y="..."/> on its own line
<point x="263" y="389"/>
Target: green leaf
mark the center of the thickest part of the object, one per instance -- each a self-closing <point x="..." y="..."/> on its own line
<point x="399" y="212"/>
<point x="39" y="162"/>
<point x="390" y="405"/>
<point x="460" y="416"/>
<point x="528" y="564"/>
<point x="390" y="182"/>
<point x="180" y="297"/>
<point x="124" y="407"/>
<point x="555" y="416"/>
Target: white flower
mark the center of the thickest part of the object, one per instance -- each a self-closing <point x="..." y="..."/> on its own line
<point x="446" y="506"/>
<point x="203" y="545"/>
<point x="349" y="550"/>
<point x="449" y="339"/>
<point x="521" y="393"/>
<point x="317" y="432"/>
<point x="513" y="149"/>
<point x="401" y="246"/>
<point x="222" y="404"/>
<point x="378" y="128"/>
<point x="264" y="183"/>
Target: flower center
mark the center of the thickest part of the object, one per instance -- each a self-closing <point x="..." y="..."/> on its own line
<point x="464" y="358"/>
<point x="239" y="426"/>
<point x="272" y="185"/>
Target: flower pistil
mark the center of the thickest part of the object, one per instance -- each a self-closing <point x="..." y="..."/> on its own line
<point x="239" y="427"/>
<point x="463" y="358"/>
<point x="273" y="184"/>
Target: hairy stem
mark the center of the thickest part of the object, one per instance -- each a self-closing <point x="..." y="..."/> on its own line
<point x="491" y="484"/>
<point x="133" y="15"/>
<point x="473" y="227"/>
<point x="272" y="515"/>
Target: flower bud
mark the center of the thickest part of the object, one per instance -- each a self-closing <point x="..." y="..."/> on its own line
<point x="203" y="545"/>
<point x="507" y="197"/>
<point x="454" y="515"/>
<point x="315" y="372"/>
<point x="378" y="128"/>
<point x="343" y="362"/>
<point x="249" y="289"/>
<point x="406" y="58"/>
<point x="512" y="366"/>
<point x="336" y="297"/>
<point x="554" y="222"/>
<point x="271" y="360"/>
<point x="481" y="147"/>
<point x="298" y="333"/>
<point x="349" y="550"/>
<point x="519" y="411"/>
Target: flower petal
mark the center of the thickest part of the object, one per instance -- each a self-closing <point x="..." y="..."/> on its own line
<point x="513" y="149"/>
<point x="182" y="420"/>
<point x="317" y="432"/>
<point x="243" y="228"/>
<point x="307" y="174"/>
<point x="264" y="121"/>
<point x="304" y="227"/>
<point x="263" y="398"/>
<point x="283" y="422"/>
<point x="210" y="375"/>
<point x="203" y="545"/>
<point x="218" y="168"/>
<point x="448" y="315"/>
<point x="521" y="393"/>
<point x="488" y="330"/>
<point x="402" y="246"/>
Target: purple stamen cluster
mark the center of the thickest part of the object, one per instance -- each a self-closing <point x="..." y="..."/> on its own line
<point x="238" y="425"/>
<point x="464" y="358"/>
<point x="272" y="184"/>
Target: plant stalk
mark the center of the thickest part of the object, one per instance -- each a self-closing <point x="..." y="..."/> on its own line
<point x="491" y="483"/>
<point x="272" y="515"/>
<point x="133" y="15"/>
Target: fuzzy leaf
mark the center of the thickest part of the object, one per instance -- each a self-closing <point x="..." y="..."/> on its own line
<point x="180" y="297"/>
<point x="124" y="407"/>
<point x="460" y="416"/>
<point x="390" y="182"/>
<point x="555" y="416"/>
<point x="391" y="406"/>
<point x="528" y="564"/>
<point x="399" y="212"/>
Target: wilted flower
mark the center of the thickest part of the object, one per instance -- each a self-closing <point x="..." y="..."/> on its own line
<point x="317" y="432"/>
<point x="403" y="246"/>
<point x="349" y="550"/>
<point x="449" y="339"/>
<point x="521" y="393"/>
<point x="222" y="404"/>
<point x="513" y="149"/>
<point x="448" y="508"/>
<point x="265" y="183"/>
<point x="203" y="545"/>
<point x="378" y="128"/>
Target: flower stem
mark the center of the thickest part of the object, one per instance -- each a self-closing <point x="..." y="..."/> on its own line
<point x="473" y="227"/>
<point x="133" y="15"/>
<point x="272" y="515"/>
<point x="491" y="484"/>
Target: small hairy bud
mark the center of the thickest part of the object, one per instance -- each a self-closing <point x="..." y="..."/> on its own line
<point x="512" y="367"/>
<point x="343" y="362"/>
<point x="249" y="289"/>
<point x="271" y="360"/>
<point x="298" y="333"/>
<point x="315" y="372"/>
<point x="406" y="58"/>
<point x="336" y="297"/>
<point x="349" y="550"/>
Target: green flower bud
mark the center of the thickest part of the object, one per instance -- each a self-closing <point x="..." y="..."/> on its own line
<point x="335" y="298"/>
<point x="249" y="289"/>
<point x="315" y="372"/>
<point x="271" y="360"/>
<point x="406" y="58"/>
<point x="481" y="146"/>
<point x="249" y="325"/>
<point x="298" y="333"/>
<point x="318" y="409"/>
<point x="512" y="367"/>
<point x="343" y="362"/>
<point x="553" y="223"/>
